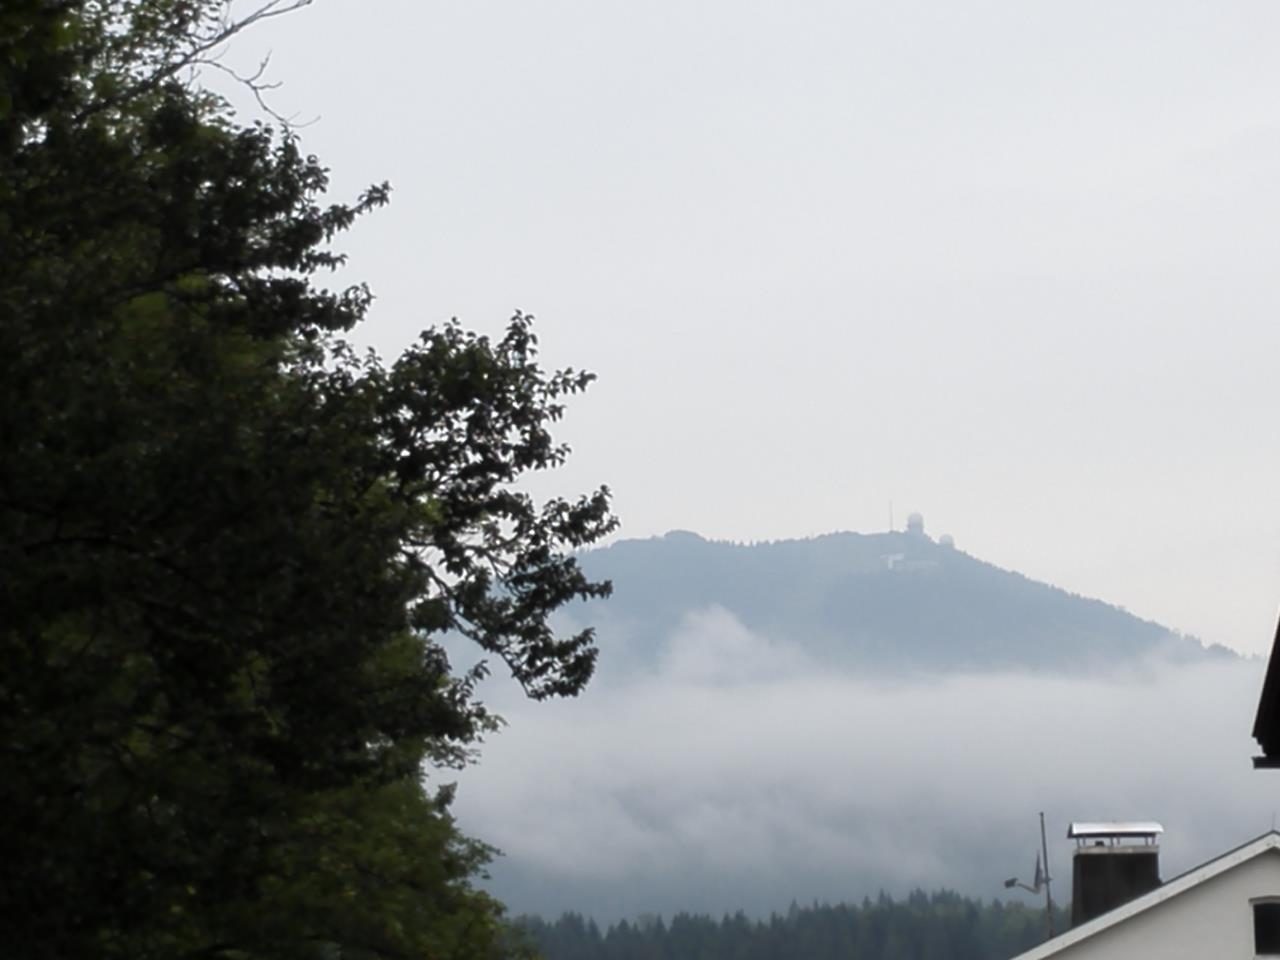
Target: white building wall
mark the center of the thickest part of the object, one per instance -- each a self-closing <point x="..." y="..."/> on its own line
<point x="1211" y="921"/>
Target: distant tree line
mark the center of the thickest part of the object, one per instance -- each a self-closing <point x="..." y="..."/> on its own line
<point x="937" y="926"/>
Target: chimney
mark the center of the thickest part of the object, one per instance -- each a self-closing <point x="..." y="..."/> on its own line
<point x="1113" y="864"/>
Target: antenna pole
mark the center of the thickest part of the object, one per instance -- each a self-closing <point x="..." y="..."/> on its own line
<point x="1048" y="897"/>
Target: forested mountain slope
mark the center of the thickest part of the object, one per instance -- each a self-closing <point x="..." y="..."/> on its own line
<point x="887" y="601"/>
<point x="816" y="720"/>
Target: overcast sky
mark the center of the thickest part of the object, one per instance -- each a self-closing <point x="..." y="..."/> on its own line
<point x="1010" y="264"/>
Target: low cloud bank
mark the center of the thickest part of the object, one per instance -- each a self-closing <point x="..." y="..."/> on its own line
<point x="740" y="774"/>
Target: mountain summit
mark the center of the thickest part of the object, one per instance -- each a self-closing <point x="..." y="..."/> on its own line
<point x="889" y="601"/>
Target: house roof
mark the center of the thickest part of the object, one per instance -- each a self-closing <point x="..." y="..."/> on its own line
<point x="1266" y="724"/>
<point x="1166" y="891"/>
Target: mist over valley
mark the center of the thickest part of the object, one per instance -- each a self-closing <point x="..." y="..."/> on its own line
<point x="820" y="720"/>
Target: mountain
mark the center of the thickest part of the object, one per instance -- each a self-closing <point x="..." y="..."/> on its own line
<point x="822" y="719"/>
<point x="889" y="601"/>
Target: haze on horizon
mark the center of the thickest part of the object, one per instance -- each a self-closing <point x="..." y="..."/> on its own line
<point x="1011" y="265"/>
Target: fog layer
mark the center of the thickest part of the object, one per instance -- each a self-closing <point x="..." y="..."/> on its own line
<point x="740" y="774"/>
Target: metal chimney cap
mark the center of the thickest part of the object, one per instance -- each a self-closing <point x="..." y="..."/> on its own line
<point x="1081" y="830"/>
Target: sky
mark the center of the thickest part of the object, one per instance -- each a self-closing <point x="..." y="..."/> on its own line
<point x="1012" y="265"/>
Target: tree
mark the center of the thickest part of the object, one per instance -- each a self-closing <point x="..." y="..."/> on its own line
<point x="944" y="926"/>
<point x="229" y="543"/>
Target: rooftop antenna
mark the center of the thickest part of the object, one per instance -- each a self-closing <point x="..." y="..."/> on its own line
<point x="1042" y="879"/>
